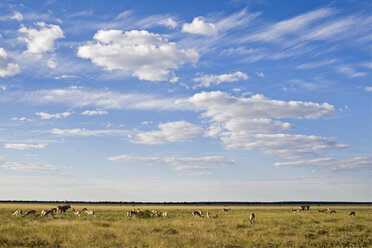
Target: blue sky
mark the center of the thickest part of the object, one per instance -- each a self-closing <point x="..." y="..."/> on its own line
<point x="185" y="100"/>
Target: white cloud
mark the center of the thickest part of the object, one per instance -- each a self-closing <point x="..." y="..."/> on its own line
<point x="260" y="74"/>
<point x="24" y="146"/>
<point x="284" y="145"/>
<point x="177" y="163"/>
<point x="52" y="63"/>
<point x="102" y="99"/>
<point x="199" y="26"/>
<point x="41" y="40"/>
<point x="277" y="31"/>
<point x="46" y="116"/>
<point x="221" y="106"/>
<point x="368" y="88"/>
<point x="17" y="16"/>
<point x="352" y="164"/>
<point x="149" y="56"/>
<point x="316" y="64"/>
<point x="86" y="132"/>
<point x="350" y="72"/>
<point x="169" y="22"/>
<point x="20" y="119"/>
<point x="29" y="167"/>
<point x="94" y="112"/>
<point x="178" y="131"/>
<point x="6" y="67"/>
<point x="208" y="80"/>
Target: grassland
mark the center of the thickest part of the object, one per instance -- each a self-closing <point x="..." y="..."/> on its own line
<point x="275" y="226"/>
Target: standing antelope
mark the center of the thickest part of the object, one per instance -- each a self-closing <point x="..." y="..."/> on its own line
<point x="226" y="210"/>
<point x="295" y="210"/>
<point x="18" y="212"/>
<point x="252" y="216"/>
<point x="332" y="211"/>
<point x="208" y="215"/>
<point x="352" y="214"/>
<point x="165" y="214"/>
<point x="132" y="213"/>
<point x="154" y="212"/>
<point x="322" y="211"/>
<point x="197" y="213"/>
<point x="78" y="212"/>
<point x="62" y="209"/>
<point x="31" y="212"/>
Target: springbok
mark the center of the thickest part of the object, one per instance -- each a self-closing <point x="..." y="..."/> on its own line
<point x="18" y="212"/>
<point x="322" y="211"/>
<point x="48" y="213"/>
<point x="332" y="211"/>
<point x="165" y="214"/>
<point x="90" y="212"/>
<point x="154" y="212"/>
<point x="226" y="210"/>
<point x="252" y="216"/>
<point x="208" y="215"/>
<point x="352" y="214"/>
<point x="31" y="212"/>
<point x="295" y="211"/>
<point x="43" y="212"/>
<point x="78" y="212"/>
<point x="132" y="213"/>
<point x="62" y="209"/>
<point x="197" y="213"/>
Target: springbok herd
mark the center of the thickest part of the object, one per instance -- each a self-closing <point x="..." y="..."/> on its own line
<point x="154" y="213"/>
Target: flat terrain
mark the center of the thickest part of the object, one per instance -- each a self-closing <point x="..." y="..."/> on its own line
<point x="275" y="226"/>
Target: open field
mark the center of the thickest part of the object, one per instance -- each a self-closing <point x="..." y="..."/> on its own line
<point x="275" y="226"/>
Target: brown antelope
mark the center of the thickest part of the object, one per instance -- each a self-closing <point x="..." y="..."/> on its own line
<point x="48" y="213"/>
<point x="133" y="213"/>
<point x="90" y="212"/>
<point x="165" y="214"/>
<point x="252" y="216"/>
<point x="31" y="212"/>
<point x="62" y="209"/>
<point x="295" y="211"/>
<point x="197" y="213"/>
<point x="17" y="212"/>
<point x="352" y="214"/>
<point x="226" y="210"/>
<point x="154" y="213"/>
<point x="322" y="211"/>
<point x="43" y="212"/>
<point x="332" y="211"/>
<point x="78" y="212"/>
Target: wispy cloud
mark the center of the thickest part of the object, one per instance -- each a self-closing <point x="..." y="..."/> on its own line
<point x="208" y="80"/>
<point x="331" y="164"/>
<point x="350" y="71"/>
<point x="87" y="132"/>
<point x="29" y="167"/>
<point x="316" y="64"/>
<point x="94" y="112"/>
<point x="46" y="116"/>
<point x="22" y="146"/>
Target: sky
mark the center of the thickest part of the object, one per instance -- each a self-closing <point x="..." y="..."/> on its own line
<point x="240" y="100"/>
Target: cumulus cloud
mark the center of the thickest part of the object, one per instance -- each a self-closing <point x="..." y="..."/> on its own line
<point x="208" y="80"/>
<point x="177" y="131"/>
<point x="22" y="146"/>
<point x="29" y="167"/>
<point x="87" y="132"/>
<point x="331" y="164"/>
<point x="149" y="56"/>
<point x="177" y="163"/>
<point x="169" y="22"/>
<point x="41" y="40"/>
<point x="17" y="16"/>
<point x="94" y="112"/>
<point x="221" y="106"/>
<point x="6" y="67"/>
<point x="46" y="116"/>
<point x="199" y="26"/>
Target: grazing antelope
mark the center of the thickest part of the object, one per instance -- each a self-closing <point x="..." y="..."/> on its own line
<point x="18" y="212"/>
<point x="322" y="211"/>
<point x="332" y="211"/>
<point x="90" y="212"/>
<point x="226" y="210"/>
<point x="197" y="213"/>
<point x="352" y="214"/>
<point x="165" y="214"/>
<point x="303" y="208"/>
<point x="252" y="216"/>
<point x="132" y="213"/>
<point x="295" y="211"/>
<point x="154" y="213"/>
<point x="31" y="212"/>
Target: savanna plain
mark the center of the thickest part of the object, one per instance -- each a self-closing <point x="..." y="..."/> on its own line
<point x="274" y="226"/>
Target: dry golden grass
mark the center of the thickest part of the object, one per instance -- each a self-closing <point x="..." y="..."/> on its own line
<point x="275" y="226"/>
